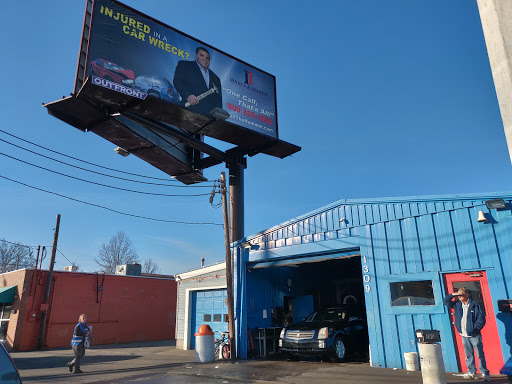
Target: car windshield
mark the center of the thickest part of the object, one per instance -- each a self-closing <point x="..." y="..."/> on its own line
<point x="111" y="66"/>
<point x="162" y="82"/>
<point x="328" y="315"/>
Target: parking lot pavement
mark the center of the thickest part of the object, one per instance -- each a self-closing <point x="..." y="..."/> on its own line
<point x="160" y="362"/>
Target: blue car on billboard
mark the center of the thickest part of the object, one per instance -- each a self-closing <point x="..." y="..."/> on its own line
<point x="157" y="86"/>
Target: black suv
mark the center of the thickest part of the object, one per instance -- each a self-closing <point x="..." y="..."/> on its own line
<point x="332" y="332"/>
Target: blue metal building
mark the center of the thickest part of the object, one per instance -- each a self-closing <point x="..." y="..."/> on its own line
<point x="371" y="251"/>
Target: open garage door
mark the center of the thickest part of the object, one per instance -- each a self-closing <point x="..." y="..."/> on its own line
<point x="283" y="292"/>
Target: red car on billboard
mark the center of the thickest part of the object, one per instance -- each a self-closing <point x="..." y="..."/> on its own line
<point x="112" y="72"/>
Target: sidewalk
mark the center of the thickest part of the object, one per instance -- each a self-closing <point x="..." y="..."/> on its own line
<point x="161" y="362"/>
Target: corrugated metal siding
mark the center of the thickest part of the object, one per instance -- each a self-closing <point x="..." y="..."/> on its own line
<point x="402" y="237"/>
<point x="445" y="241"/>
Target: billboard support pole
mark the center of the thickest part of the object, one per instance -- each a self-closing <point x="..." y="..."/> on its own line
<point x="236" y="198"/>
<point x="236" y="230"/>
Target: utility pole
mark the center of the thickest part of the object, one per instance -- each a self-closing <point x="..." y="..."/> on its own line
<point x="44" y="304"/>
<point x="229" y="276"/>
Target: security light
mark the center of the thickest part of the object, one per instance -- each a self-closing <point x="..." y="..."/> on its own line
<point x="220" y="113"/>
<point x="121" y="151"/>
<point x="495" y="204"/>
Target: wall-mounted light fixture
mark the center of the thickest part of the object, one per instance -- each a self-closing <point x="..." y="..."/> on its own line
<point x="246" y="245"/>
<point x="481" y="217"/>
<point x="343" y="220"/>
<point x="495" y="204"/>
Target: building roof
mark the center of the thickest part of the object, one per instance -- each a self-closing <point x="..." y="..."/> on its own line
<point x="200" y="271"/>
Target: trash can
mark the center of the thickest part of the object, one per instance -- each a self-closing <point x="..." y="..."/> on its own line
<point x="411" y="361"/>
<point x="205" y="344"/>
<point x="431" y="356"/>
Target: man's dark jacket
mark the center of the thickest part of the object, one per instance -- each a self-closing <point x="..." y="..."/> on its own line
<point x="189" y="80"/>
<point x="476" y="316"/>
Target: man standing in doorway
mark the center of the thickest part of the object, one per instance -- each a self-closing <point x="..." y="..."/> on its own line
<point x="469" y="321"/>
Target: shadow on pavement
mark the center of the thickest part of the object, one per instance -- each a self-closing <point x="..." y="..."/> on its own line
<point x="60" y="361"/>
<point x="142" y="371"/>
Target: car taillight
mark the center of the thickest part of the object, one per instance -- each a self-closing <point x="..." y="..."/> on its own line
<point x="323" y="333"/>
<point x="283" y="332"/>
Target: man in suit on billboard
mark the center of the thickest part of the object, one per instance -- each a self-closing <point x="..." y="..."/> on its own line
<point x="198" y="85"/>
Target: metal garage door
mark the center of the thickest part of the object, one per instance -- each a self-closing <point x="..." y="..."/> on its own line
<point x="209" y="307"/>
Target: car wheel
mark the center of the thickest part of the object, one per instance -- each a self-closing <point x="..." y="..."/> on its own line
<point x="340" y="351"/>
<point x="225" y="352"/>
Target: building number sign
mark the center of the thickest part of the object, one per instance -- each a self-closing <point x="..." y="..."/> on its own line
<point x="366" y="275"/>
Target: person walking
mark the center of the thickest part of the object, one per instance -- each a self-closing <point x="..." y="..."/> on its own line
<point x="469" y="321"/>
<point x="80" y="335"/>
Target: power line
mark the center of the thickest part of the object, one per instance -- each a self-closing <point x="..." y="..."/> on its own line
<point x="215" y="190"/>
<point x="100" y="184"/>
<point x="106" y="208"/>
<point x="19" y="244"/>
<point x="104" y="174"/>
<point x="70" y="262"/>
<point x="83" y="161"/>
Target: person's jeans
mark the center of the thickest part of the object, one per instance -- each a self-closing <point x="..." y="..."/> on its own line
<point x="79" y="351"/>
<point x="474" y="342"/>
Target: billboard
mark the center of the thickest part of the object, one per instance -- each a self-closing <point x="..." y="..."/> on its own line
<point x="134" y="54"/>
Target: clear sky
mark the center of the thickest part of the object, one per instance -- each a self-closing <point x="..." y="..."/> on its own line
<point x="385" y="97"/>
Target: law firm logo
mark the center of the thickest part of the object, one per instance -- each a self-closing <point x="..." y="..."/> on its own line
<point x="248" y="82"/>
<point x="248" y="77"/>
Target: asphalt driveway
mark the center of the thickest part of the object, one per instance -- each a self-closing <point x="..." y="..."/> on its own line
<point x="160" y="362"/>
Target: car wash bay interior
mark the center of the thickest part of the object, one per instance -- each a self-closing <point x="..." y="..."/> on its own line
<point x="280" y="295"/>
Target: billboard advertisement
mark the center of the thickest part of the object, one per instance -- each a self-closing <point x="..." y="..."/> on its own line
<point x="132" y="53"/>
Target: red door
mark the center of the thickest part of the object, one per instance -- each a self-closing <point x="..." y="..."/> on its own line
<point x="476" y="284"/>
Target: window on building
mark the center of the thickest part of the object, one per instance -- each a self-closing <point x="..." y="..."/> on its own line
<point x="226" y="318"/>
<point x="217" y="318"/>
<point x="207" y="318"/>
<point x="409" y="293"/>
<point x="5" y="314"/>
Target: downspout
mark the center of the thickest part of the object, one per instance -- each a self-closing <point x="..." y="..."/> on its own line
<point x="241" y="292"/>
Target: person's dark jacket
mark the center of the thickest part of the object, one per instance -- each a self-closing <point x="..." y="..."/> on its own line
<point x="476" y="316"/>
<point x="188" y="80"/>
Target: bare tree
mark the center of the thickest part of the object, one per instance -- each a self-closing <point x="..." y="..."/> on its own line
<point x="15" y="256"/>
<point x="150" y="267"/>
<point x="119" y="250"/>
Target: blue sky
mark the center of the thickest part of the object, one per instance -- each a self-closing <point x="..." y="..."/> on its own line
<point x="386" y="98"/>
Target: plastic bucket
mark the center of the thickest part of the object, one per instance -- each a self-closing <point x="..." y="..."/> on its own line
<point x="411" y="361"/>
